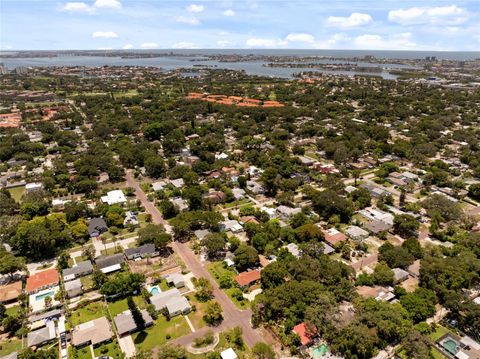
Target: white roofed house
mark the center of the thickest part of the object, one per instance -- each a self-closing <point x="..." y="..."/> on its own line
<point x="286" y="213"/>
<point x="255" y="187"/>
<point x="230" y="225"/>
<point x="114" y="197"/>
<point x="35" y="186"/>
<point x="172" y="300"/>
<point x="356" y="233"/>
<point x="159" y="186"/>
<point x="178" y="183"/>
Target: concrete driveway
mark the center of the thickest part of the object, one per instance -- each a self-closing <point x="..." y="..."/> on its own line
<point x="127" y="346"/>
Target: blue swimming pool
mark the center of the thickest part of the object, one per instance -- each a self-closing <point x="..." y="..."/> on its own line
<point x="44" y="295"/>
<point x="155" y="290"/>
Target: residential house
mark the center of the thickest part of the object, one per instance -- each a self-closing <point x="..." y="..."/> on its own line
<point x="94" y="332"/>
<point x="214" y="197"/>
<point x="73" y="288"/>
<point x="201" y="233"/>
<point x="32" y="187"/>
<point x="271" y="212"/>
<point x="327" y="249"/>
<point x="176" y="279"/>
<point x="178" y="183"/>
<point x="356" y="233"/>
<point x="97" y="226"/>
<point x="238" y="193"/>
<point x="109" y="264"/>
<point x="228" y="354"/>
<point x="10" y="292"/>
<point x="305" y="334"/>
<point x="246" y="279"/>
<point x="159" y="186"/>
<point x="42" y="336"/>
<point x="377" y="215"/>
<point x="377" y="226"/>
<point x="81" y="269"/>
<point x="334" y="236"/>
<point x="144" y="251"/>
<point x="399" y="275"/>
<point x="293" y="249"/>
<point x="180" y="203"/>
<point x="248" y="219"/>
<point x="114" y="197"/>
<point x="125" y="323"/>
<point x="42" y="280"/>
<point x="255" y="187"/>
<point x="230" y="225"/>
<point x="172" y="300"/>
<point x="130" y="219"/>
<point x="286" y="213"/>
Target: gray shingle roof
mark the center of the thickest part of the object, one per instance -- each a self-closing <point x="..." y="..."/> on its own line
<point x="107" y="261"/>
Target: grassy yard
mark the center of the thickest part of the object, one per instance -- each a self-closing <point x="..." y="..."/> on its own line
<point x="438" y="333"/>
<point x="157" y="335"/>
<point x="111" y="350"/>
<point x="110" y="251"/>
<point x="87" y="282"/>
<point x="9" y="346"/>
<point x="12" y="310"/>
<point x="218" y="270"/>
<point x="89" y="312"/>
<point x="17" y="193"/>
<point x="121" y="305"/>
<point x="241" y="202"/>
<point x="196" y="317"/>
<point x="82" y="353"/>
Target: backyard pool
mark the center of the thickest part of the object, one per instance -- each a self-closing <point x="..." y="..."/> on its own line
<point x="450" y="345"/>
<point x="44" y="295"/>
<point x="155" y="290"/>
<point x="320" y="351"/>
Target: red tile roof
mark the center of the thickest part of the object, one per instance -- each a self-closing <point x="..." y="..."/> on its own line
<point x="42" y="279"/>
<point x="304" y="334"/>
<point x="246" y="278"/>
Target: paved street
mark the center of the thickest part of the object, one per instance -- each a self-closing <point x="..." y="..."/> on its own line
<point x="232" y="315"/>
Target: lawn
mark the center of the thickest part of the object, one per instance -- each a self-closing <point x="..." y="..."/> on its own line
<point x="111" y="350"/>
<point x="9" y="346"/>
<point x="196" y="317"/>
<point x="12" y="310"/>
<point x="87" y="313"/>
<point x="113" y="250"/>
<point x="87" y="283"/>
<point x="218" y="270"/>
<point x="157" y="334"/>
<point x="241" y="202"/>
<point x="17" y="193"/>
<point x="223" y="344"/>
<point x="82" y="353"/>
<point x="121" y="305"/>
<point x="438" y="333"/>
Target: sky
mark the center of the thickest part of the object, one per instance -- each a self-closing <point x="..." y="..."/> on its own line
<point x="240" y="24"/>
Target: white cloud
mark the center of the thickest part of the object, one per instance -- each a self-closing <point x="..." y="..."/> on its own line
<point x="104" y="35"/>
<point x="127" y="47"/>
<point x="184" y="45"/>
<point x="265" y="43"/>
<point x="77" y="7"/>
<point x="195" y="8"/>
<point x="442" y="15"/>
<point x="149" y="45"/>
<point x="339" y="40"/>
<point x="225" y="43"/>
<point x="107" y="4"/>
<point x="104" y="48"/>
<point x="354" y="20"/>
<point x="188" y="20"/>
<point x="229" y="13"/>
<point x="402" y="41"/>
<point x="300" y="37"/>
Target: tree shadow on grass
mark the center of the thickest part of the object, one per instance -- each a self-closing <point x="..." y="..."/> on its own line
<point x="140" y="338"/>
